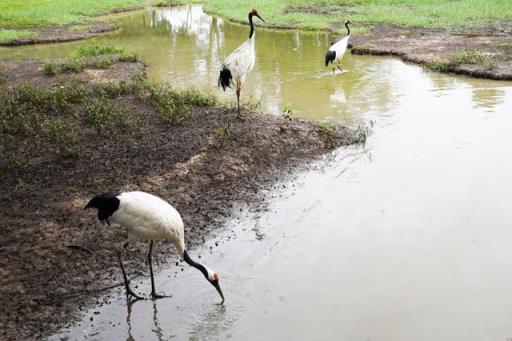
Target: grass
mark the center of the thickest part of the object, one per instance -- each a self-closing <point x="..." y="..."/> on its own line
<point x="60" y="118"/>
<point x="90" y="55"/>
<point x="93" y="50"/>
<point x="463" y="57"/>
<point x="3" y="75"/>
<point x="328" y="131"/>
<point x="31" y="13"/>
<point x="423" y="13"/>
<point x="10" y="34"/>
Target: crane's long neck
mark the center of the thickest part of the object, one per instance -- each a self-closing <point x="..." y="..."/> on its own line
<point x="251" y="33"/>
<point x="195" y="264"/>
<point x="348" y="29"/>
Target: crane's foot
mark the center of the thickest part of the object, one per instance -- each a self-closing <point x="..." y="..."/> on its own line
<point x="339" y="68"/>
<point x="155" y="296"/>
<point x="131" y="295"/>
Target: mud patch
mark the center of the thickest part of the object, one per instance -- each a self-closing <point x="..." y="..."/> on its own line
<point x="436" y="48"/>
<point x="52" y="252"/>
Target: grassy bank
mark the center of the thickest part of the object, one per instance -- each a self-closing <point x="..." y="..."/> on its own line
<point x="24" y="18"/>
<point x="319" y="14"/>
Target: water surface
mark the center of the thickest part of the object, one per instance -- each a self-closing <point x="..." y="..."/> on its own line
<point x="405" y="238"/>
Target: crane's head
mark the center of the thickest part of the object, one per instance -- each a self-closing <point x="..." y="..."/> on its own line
<point x="348" y="22"/>
<point x="214" y="279"/>
<point x="255" y="13"/>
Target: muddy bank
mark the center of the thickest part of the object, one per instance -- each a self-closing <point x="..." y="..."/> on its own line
<point x="51" y="251"/>
<point x="62" y="33"/>
<point x="484" y="52"/>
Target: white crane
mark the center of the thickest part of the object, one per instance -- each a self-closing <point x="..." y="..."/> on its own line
<point x="337" y="50"/>
<point x="147" y="217"/>
<point x="239" y="63"/>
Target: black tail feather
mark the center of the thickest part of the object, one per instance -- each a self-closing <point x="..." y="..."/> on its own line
<point x="329" y="57"/>
<point x="225" y="78"/>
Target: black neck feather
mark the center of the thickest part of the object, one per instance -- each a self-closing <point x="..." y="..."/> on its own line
<point x="193" y="263"/>
<point x="252" y="25"/>
<point x="348" y="29"/>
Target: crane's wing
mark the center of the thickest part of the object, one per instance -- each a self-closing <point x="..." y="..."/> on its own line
<point x="148" y="217"/>
<point x="241" y="61"/>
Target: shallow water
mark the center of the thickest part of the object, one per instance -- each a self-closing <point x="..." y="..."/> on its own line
<point x="405" y="238"/>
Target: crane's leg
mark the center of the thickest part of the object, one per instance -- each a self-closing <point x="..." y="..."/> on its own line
<point x="238" y="99"/>
<point x="154" y="295"/>
<point x="339" y="67"/>
<point x="129" y="291"/>
<point x="333" y="70"/>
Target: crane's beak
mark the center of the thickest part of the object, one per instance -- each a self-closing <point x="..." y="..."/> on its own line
<point x="260" y="17"/>
<point x="217" y="286"/>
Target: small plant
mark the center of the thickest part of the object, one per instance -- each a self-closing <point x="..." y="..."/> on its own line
<point x="103" y="62"/>
<point x="195" y="97"/>
<point x="49" y="68"/>
<point x="94" y="50"/>
<point x="460" y="58"/>
<point x="61" y="134"/>
<point x="288" y="112"/>
<point x="169" y="105"/>
<point x="97" y="112"/>
<point x="128" y="57"/>
<point x="3" y="75"/>
<point x="328" y="131"/>
<point x="219" y="132"/>
<point x="71" y="65"/>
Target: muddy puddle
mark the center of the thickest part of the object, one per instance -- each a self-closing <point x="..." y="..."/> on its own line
<point x="405" y="238"/>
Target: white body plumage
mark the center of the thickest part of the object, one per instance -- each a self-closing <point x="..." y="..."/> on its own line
<point x="339" y="48"/>
<point x="147" y="217"/>
<point x="241" y="61"/>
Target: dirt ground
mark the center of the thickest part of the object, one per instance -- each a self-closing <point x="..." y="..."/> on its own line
<point x="431" y="46"/>
<point x="53" y="255"/>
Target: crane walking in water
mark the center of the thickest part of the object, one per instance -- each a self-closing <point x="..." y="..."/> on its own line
<point x="337" y="50"/>
<point x="147" y="217"/>
<point x="239" y="63"/>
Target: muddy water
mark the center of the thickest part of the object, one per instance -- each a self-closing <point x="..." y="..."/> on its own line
<point x="406" y="238"/>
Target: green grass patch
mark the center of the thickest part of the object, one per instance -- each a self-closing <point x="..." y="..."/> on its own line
<point x="93" y="50"/>
<point x="64" y="118"/>
<point x="7" y="35"/>
<point x="129" y="57"/>
<point x="423" y="13"/>
<point x="30" y="13"/>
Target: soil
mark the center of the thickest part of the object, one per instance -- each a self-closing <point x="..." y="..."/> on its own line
<point x="430" y="45"/>
<point x="54" y="255"/>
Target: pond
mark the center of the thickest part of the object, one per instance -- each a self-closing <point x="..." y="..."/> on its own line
<point x="405" y="238"/>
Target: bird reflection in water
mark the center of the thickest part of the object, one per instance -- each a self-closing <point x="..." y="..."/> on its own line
<point x="157" y="329"/>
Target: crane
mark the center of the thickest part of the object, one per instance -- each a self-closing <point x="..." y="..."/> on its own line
<point x="147" y="217"/>
<point x="337" y="50"/>
<point x="239" y="63"/>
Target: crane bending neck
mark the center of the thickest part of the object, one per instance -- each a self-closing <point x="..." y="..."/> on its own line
<point x="194" y="264"/>
<point x="251" y="33"/>
<point x="348" y="29"/>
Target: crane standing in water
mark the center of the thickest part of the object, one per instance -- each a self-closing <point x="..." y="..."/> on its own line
<point x="239" y="63"/>
<point x="337" y="50"/>
<point x="147" y="217"/>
